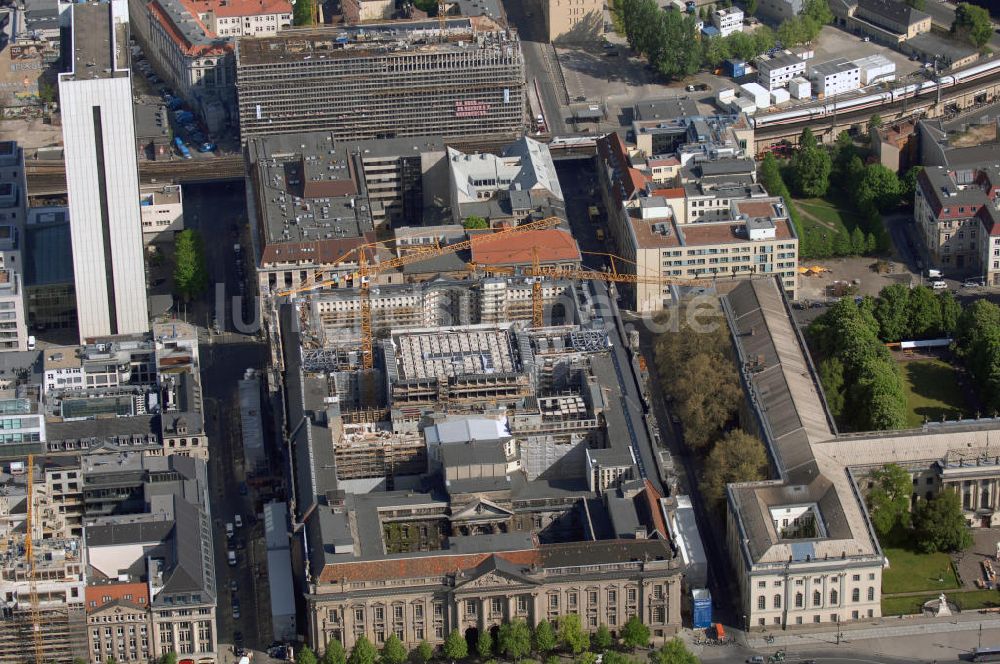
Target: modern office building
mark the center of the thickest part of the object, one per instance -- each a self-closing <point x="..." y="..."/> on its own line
<point x="384" y="80"/>
<point x="102" y="175"/>
<point x="13" y="207"/>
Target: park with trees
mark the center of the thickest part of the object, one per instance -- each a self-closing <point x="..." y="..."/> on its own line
<point x="514" y="641"/>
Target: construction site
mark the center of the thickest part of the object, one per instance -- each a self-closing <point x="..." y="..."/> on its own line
<point x="460" y="78"/>
<point x="43" y="617"/>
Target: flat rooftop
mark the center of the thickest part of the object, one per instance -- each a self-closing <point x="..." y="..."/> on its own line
<point x="308" y="189"/>
<point x="453" y="352"/>
<point x="94" y="43"/>
<point x="370" y="40"/>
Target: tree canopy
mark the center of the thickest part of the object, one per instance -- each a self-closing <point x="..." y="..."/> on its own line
<point x="472" y="222"/>
<point x="879" y="188"/>
<point x="602" y="639"/>
<point x="305" y="655"/>
<point x="634" y="633"/>
<point x="674" y="652"/>
<point x="939" y="524"/>
<point x="484" y="644"/>
<point x="363" y="652"/>
<point x="544" y="638"/>
<point x="423" y="653"/>
<point x="698" y="368"/>
<point x="871" y="388"/>
<point x="811" y="168"/>
<point x="334" y="653"/>
<point x="737" y="457"/>
<point x="190" y="273"/>
<point x="514" y="639"/>
<point x="571" y="634"/>
<point x="889" y="499"/>
<point x="393" y="651"/>
<point x="455" y="647"/>
<point x="973" y="24"/>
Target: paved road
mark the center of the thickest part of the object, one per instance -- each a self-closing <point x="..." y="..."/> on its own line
<point x="224" y="358"/>
<point x="539" y="60"/>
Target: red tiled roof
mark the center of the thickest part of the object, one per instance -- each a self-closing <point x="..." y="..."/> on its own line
<point x="426" y="566"/>
<point x="655" y="509"/>
<point x="612" y="148"/>
<point x="138" y="593"/>
<point x="672" y="192"/>
<point x="240" y="7"/>
<point x="176" y="36"/>
<point x="553" y="245"/>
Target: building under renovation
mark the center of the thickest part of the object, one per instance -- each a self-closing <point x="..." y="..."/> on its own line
<point x="403" y="78"/>
<point x="56" y="614"/>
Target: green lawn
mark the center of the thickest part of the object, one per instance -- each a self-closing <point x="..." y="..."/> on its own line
<point x="825" y="211"/>
<point x="966" y="601"/>
<point x="913" y="572"/>
<point x="931" y="391"/>
<point x="823" y="222"/>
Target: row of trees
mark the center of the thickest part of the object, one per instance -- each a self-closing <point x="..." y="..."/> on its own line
<point x="862" y="383"/>
<point x="698" y="369"/>
<point x="977" y="343"/>
<point x="934" y="525"/>
<point x="668" y="38"/>
<point x="515" y="640"/>
<point x="915" y="313"/>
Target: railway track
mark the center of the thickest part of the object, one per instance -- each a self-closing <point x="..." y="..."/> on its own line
<point x="49" y="178"/>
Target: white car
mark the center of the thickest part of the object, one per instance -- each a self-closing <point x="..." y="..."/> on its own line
<point x="939" y="285"/>
<point x="238" y="520"/>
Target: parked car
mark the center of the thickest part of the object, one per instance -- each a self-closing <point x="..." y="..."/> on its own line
<point x="939" y="285"/>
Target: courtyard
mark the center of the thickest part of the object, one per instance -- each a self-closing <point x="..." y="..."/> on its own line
<point x="933" y="390"/>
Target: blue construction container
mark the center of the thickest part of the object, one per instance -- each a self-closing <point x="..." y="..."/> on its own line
<point x="734" y="67"/>
<point x="701" y="608"/>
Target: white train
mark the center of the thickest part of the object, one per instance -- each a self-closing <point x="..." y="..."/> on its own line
<point x="873" y="100"/>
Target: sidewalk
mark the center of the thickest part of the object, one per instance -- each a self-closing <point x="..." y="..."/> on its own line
<point x="880" y="629"/>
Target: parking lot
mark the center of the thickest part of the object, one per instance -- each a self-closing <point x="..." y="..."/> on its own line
<point x="161" y="115"/>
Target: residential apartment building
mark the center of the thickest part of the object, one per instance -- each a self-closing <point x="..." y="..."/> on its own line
<point x="835" y="77"/>
<point x="118" y="622"/>
<point x="776" y="72"/>
<point x="728" y="21"/>
<point x="573" y="21"/>
<point x="102" y="176"/>
<point x="468" y="84"/>
<point x="161" y="209"/>
<point x="956" y="212"/>
<point x="758" y="239"/>
<point x="191" y="42"/>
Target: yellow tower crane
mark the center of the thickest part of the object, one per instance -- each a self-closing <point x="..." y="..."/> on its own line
<point x="36" y="621"/>
<point x="367" y="271"/>
<point x="537" y="273"/>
